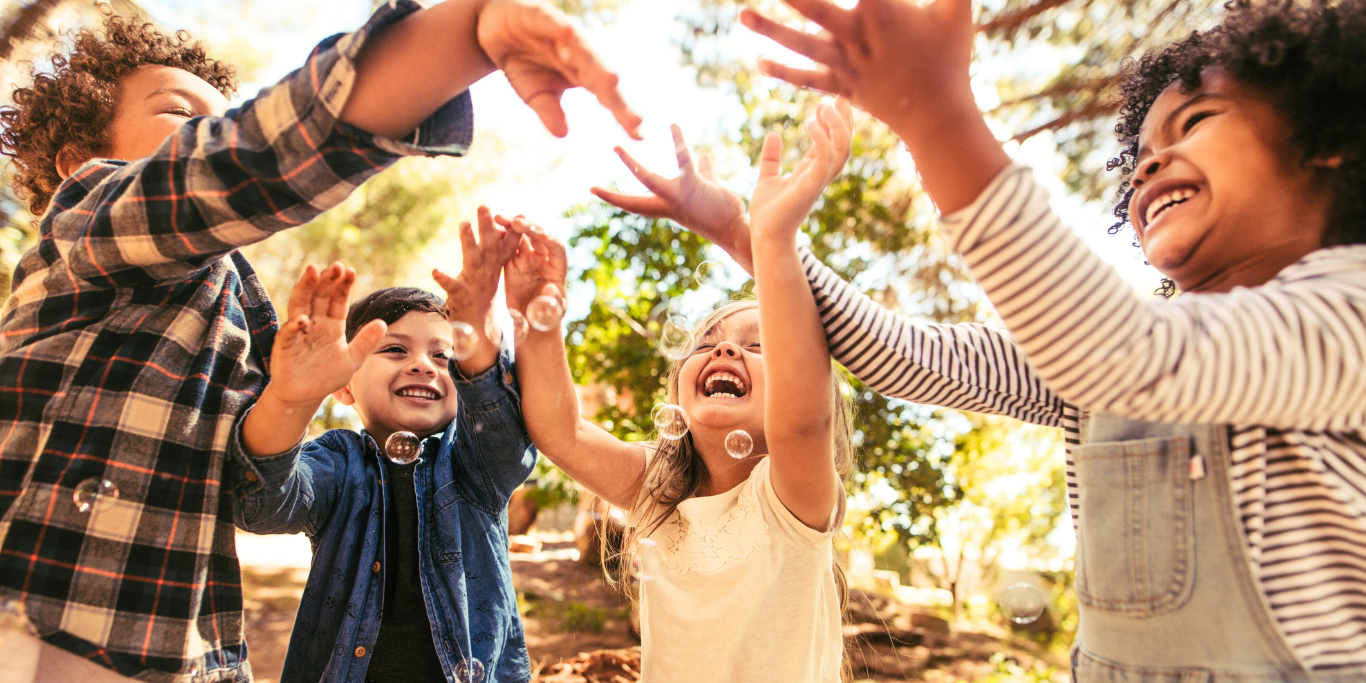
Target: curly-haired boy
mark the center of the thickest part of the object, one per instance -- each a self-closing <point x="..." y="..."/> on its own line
<point x="137" y="334"/>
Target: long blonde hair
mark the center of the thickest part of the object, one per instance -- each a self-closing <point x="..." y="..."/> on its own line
<point x="677" y="472"/>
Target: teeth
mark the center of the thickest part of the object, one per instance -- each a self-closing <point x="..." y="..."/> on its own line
<point x="1167" y="200"/>
<point x="723" y="376"/>
<point x="724" y="394"/>
<point x="418" y="392"/>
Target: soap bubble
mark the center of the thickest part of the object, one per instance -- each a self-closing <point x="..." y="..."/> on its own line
<point x="544" y="313"/>
<point x="94" y="492"/>
<point x="739" y="444"/>
<point x="670" y="421"/>
<point x="464" y="340"/>
<point x="708" y="270"/>
<point x="402" y="448"/>
<point x="675" y="340"/>
<point x="647" y="562"/>
<point x="519" y="326"/>
<point x="469" y="670"/>
<point x="1022" y="603"/>
<point x="492" y="332"/>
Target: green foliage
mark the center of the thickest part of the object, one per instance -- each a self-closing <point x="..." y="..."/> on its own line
<point x="17" y="236"/>
<point x="583" y="618"/>
<point x="553" y="487"/>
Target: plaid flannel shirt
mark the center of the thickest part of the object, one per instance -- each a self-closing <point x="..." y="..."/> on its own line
<point x="135" y="336"/>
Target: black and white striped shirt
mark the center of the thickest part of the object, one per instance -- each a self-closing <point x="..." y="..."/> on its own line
<point x="1282" y="363"/>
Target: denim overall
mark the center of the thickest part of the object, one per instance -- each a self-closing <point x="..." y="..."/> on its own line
<point x="1166" y="588"/>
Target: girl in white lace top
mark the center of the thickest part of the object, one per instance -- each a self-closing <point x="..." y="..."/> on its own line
<point x="741" y="584"/>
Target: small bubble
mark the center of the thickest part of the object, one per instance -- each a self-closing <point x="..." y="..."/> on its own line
<point x="519" y="327"/>
<point x="708" y="270"/>
<point x="94" y="492"/>
<point x="647" y="562"/>
<point x="544" y="313"/>
<point x="402" y="448"/>
<point x="469" y="670"/>
<point x="464" y="340"/>
<point x="739" y="444"/>
<point x="670" y="421"/>
<point x="675" y="340"/>
<point x="492" y="332"/>
<point x="1022" y="603"/>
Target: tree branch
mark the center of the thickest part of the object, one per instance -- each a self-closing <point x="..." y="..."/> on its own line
<point x="1010" y="21"/>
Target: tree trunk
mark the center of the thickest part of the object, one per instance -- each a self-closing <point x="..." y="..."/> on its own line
<point x="19" y="26"/>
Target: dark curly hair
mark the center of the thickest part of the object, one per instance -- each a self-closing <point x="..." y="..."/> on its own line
<point x="1308" y="55"/>
<point x="71" y="108"/>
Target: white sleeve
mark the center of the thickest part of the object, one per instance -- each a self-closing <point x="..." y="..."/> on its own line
<point x="1287" y="354"/>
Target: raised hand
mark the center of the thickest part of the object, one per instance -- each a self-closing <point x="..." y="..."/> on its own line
<point x="542" y="55"/>
<point x="781" y="203"/>
<point x="469" y="294"/>
<point x="693" y="199"/>
<point x="539" y="267"/>
<point x="311" y="357"/>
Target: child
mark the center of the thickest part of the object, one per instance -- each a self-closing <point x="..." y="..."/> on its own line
<point x="415" y="549"/>
<point x="137" y="333"/>
<point x="744" y="589"/>
<point x="1215" y="456"/>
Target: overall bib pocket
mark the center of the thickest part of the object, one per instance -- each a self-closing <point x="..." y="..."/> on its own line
<point x="1135" y="536"/>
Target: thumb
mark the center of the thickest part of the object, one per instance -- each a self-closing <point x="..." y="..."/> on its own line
<point x="365" y="341"/>
<point x="547" y="106"/>
<point x="771" y="158"/>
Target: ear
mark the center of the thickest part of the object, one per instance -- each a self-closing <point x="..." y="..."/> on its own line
<point x="344" y="396"/>
<point x="68" y="160"/>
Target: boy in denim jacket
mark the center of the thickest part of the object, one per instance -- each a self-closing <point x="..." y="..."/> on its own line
<point x="410" y="579"/>
<point x="137" y="334"/>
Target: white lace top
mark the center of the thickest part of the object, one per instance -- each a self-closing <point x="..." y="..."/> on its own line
<point x="743" y="591"/>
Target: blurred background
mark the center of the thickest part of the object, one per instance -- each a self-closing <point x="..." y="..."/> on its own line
<point x="949" y="512"/>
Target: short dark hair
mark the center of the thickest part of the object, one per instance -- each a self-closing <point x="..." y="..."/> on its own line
<point x="389" y="305"/>
<point x="1308" y="55"/>
<point x="73" y="106"/>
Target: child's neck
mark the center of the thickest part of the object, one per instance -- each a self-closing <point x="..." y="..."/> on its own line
<point x="723" y="472"/>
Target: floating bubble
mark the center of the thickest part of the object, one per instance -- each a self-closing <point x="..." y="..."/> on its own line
<point x="402" y="448"/>
<point x="739" y="444"/>
<point x="647" y="562"/>
<point x="492" y="332"/>
<point x="464" y="340"/>
<point x="670" y="421"/>
<point x="708" y="270"/>
<point x="1022" y="603"/>
<point x="675" y="340"/>
<point x="94" y="492"/>
<point x="519" y="326"/>
<point x="544" y="313"/>
<point x="469" y="670"/>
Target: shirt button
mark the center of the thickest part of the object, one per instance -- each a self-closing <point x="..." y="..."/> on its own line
<point x="360" y="651"/>
<point x="375" y="567"/>
<point x="251" y="477"/>
<point x="507" y="377"/>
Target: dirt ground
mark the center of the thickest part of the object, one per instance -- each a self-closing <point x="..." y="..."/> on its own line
<point x="569" y="609"/>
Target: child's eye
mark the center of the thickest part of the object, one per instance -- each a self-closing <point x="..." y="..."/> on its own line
<point x="180" y="111"/>
<point x="755" y="347"/>
<point x="1195" y="118"/>
<point x="393" y="349"/>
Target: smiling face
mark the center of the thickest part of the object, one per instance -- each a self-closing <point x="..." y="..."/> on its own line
<point x="1221" y="197"/>
<point x="404" y="384"/>
<point x="153" y="101"/>
<point x="721" y="385"/>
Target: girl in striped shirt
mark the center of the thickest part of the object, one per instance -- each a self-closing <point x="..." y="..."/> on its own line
<point x="1216" y="461"/>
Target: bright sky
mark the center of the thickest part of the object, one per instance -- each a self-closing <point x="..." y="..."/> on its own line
<point x="542" y="176"/>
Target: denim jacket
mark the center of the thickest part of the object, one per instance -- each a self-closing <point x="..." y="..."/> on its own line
<point x="333" y="489"/>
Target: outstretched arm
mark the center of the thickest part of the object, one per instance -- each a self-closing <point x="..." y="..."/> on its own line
<point x="469" y="294"/>
<point x="310" y="359"/>
<point x="600" y="462"/>
<point x="799" y="399"/>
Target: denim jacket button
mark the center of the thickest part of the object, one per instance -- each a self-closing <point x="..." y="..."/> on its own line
<point x="507" y="377"/>
<point x="360" y="651"/>
<point x="375" y="567"/>
<point x="251" y="476"/>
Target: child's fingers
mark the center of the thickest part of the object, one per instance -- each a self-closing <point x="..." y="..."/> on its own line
<point x="681" y="150"/>
<point x="301" y="297"/>
<point x="650" y="206"/>
<point x="468" y="245"/>
<point x="820" y="48"/>
<point x="327" y="288"/>
<point x="443" y="279"/>
<point x="341" y="298"/>
<point x="771" y="157"/>
<point x="583" y="68"/>
<point x="365" y="341"/>
<point x="830" y="16"/>
<point x="822" y="80"/>
<point x="488" y="233"/>
<point x="706" y="168"/>
<point x="652" y="181"/>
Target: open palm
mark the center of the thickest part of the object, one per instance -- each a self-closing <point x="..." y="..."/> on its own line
<point x="311" y="357"/>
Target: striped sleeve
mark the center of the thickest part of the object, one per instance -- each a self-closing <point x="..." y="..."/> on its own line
<point x="966" y="367"/>
<point x="1287" y="354"/>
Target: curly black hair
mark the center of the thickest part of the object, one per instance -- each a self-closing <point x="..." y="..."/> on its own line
<point x="71" y="108"/>
<point x="1308" y="55"/>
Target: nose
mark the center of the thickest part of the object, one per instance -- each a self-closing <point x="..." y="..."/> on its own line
<point x="422" y="365"/>
<point x="726" y="350"/>
<point x="1149" y="168"/>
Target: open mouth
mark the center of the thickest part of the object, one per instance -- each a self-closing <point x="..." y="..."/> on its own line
<point x="724" y="384"/>
<point x="426" y="393"/>
<point x="1166" y="201"/>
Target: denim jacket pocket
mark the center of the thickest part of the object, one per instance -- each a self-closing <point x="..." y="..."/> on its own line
<point x="1135" y="536"/>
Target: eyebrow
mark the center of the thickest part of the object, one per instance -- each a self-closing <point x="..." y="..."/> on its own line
<point x="1175" y="113"/>
<point x="171" y="91"/>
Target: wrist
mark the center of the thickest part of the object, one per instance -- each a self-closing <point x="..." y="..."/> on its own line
<point x="739" y="243"/>
<point x="272" y="401"/>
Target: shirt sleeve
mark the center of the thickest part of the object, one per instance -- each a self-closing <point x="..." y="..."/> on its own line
<point x="1287" y="354"/>
<point x="219" y="183"/>
<point x="285" y="493"/>
<point x="965" y="367"/>
<point x="491" y="445"/>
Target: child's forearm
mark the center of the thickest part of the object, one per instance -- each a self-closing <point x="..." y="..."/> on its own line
<point x="274" y="426"/>
<point x="486" y="353"/>
<point x="409" y="70"/>
<point x="955" y="152"/>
